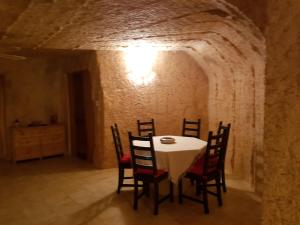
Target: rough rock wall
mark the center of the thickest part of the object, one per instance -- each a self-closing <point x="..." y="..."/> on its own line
<point x="86" y="62"/>
<point x="282" y="109"/>
<point x="179" y="90"/>
<point x="25" y="85"/>
<point x="235" y="70"/>
<point x="40" y="90"/>
<point x="254" y="9"/>
<point x="106" y="24"/>
<point x="232" y="58"/>
<point x="25" y="95"/>
<point x="2" y="119"/>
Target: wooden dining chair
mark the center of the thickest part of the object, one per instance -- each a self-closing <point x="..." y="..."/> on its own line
<point x="124" y="159"/>
<point x="145" y="169"/>
<point x="191" y="128"/>
<point x="206" y="169"/>
<point x="144" y="128"/>
<point x="221" y="129"/>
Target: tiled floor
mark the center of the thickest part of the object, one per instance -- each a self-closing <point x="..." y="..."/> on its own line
<point x="59" y="191"/>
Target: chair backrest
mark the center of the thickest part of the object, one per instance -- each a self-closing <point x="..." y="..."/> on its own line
<point x="191" y="128"/>
<point x="117" y="141"/>
<point x="214" y="152"/>
<point x="144" y="128"/>
<point x="221" y="129"/>
<point x="142" y="153"/>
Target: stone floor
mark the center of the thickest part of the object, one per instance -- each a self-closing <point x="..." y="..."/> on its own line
<point x="61" y="191"/>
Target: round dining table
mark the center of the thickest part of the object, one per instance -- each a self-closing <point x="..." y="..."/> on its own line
<point x="178" y="156"/>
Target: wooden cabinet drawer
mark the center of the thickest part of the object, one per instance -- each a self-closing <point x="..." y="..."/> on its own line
<point x="36" y="142"/>
<point x="27" y="152"/>
<point x="53" y="149"/>
<point x="26" y="142"/>
<point x="52" y="139"/>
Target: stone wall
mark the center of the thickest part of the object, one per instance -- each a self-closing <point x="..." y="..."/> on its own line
<point x="235" y="69"/>
<point x="281" y="202"/>
<point x="179" y="90"/>
<point x="26" y="98"/>
<point x="2" y="119"/>
<point x="37" y="88"/>
<point x="33" y="92"/>
<point x="254" y="9"/>
<point x="222" y="39"/>
<point x="85" y="61"/>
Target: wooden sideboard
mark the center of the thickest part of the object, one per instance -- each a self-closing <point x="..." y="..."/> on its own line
<point x="38" y="142"/>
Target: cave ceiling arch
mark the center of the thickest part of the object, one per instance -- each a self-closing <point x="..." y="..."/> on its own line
<point x="92" y="24"/>
<point x="224" y="41"/>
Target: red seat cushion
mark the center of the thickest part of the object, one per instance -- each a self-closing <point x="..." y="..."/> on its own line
<point x="126" y="159"/>
<point x="198" y="167"/>
<point x="148" y="172"/>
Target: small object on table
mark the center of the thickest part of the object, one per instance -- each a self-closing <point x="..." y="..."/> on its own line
<point x="167" y="140"/>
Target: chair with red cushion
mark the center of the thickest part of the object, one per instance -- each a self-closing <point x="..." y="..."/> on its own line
<point x="124" y="159"/>
<point x="145" y="169"/>
<point x="206" y="169"/>
<point x="191" y="128"/>
<point x="221" y="129"/>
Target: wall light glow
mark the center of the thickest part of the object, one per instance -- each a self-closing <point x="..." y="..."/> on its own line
<point x="139" y="63"/>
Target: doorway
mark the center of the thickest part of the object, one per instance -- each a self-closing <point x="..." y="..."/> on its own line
<point x="2" y="112"/>
<point x="81" y="115"/>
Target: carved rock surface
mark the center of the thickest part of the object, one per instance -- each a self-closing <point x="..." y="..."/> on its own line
<point x="282" y="122"/>
<point x="228" y="47"/>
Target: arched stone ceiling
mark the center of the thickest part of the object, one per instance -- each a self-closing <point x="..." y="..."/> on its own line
<point x="227" y="45"/>
<point x="94" y="24"/>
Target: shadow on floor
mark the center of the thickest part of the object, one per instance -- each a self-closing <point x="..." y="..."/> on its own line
<point x="71" y="192"/>
<point x="239" y="208"/>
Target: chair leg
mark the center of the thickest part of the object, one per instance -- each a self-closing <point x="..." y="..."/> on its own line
<point x="205" y="199"/>
<point x="136" y="193"/>
<point x="156" y="198"/>
<point x="171" y="192"/>
<point x="121" y="178"/>
<point x="219" y="191"/>
<point x="180" y="191"/>
<point x="223" y="181"/>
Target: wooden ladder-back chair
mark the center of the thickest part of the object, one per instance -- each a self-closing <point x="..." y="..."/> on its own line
<point x="144" y="128"/>
<point x="191" y="128"/>
<point x="145" y="169"/>
<point x="205" y="169"/>
<point x="124" y="159"/>
<point x="221" y="129"/>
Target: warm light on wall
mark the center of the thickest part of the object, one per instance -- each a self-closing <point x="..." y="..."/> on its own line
<point x="139" y="62"/>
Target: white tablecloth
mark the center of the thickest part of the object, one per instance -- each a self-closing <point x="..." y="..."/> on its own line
<point x="177" y="157"/>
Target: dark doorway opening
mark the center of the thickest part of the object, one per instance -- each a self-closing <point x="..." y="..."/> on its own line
<point x="81" y="115"/>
